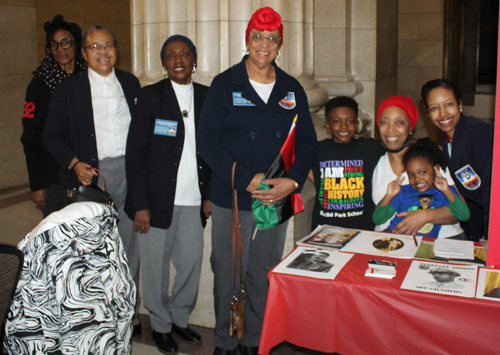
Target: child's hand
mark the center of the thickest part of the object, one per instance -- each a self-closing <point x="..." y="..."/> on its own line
<point x="440" y="182"/>
<point x="394" y="187"/>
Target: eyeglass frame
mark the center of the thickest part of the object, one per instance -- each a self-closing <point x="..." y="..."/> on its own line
<point x="96" y="47"/>
<point x="57" y="44"/>
<point x="267" y="38"/>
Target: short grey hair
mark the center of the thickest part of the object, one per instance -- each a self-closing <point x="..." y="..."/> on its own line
<point x="95" y="28"/>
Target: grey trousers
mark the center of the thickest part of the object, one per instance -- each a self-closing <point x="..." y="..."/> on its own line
<point x="113" y="171"/>
<point x="258" y="257"/>
<point x="182" y="243"/>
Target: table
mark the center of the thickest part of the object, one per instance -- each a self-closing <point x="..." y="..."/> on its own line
<point x="354" y="314"/>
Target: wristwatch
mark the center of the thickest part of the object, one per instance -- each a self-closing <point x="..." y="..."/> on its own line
<point x="296" y="184"/>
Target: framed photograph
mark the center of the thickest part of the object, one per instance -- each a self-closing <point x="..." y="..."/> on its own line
<point x="488" y="284"/>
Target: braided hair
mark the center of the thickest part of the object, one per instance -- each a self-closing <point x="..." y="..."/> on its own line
<point x="427" y="149"/>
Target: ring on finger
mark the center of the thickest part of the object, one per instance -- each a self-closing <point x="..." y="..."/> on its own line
<point x="271" y="201"/>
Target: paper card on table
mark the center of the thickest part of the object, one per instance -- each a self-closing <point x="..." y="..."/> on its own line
<point x="443" y="278"/>
<point x="320" y="264"/>
<point x="329" y="237"/>
<point x="426" y="251"/>
<point x="488" y="284"/>
<point x="383" y="244"/>
<point x="451" y="248"/>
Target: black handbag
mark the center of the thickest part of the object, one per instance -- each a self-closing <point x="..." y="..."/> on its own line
<point x="92" y="193"/>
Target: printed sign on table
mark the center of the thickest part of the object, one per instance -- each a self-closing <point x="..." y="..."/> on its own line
<point x="443" y="278"/>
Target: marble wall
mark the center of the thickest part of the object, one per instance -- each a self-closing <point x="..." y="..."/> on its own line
<point x="17" y="59"/>
<point x="113" y="14"/>
<point x="356" y="52"/>
<point x="420" y="53"/>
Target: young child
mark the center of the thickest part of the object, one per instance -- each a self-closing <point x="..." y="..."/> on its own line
<point x="427" y="189"/>
<point x="343" y="169"/>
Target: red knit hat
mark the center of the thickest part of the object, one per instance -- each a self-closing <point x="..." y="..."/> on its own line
<point x="265" y="19"/>
<point x="404" y="103"/>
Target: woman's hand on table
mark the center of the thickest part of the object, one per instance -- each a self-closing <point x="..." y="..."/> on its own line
<point x="281" y="188"/>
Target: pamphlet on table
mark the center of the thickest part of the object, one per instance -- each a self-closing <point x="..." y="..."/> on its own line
<point x="488" y="284"/>
<point x="311" y="262"/>
<point x="443" y="278"/>
<point x="383" y="244"/>
<point x="329" y="237"/>
<point x="451" y="248"/>
<point x="426" y="251"/>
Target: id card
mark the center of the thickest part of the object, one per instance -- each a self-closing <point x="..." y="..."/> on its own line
<point x="238" y="100"/>
<point x="165" y="128"/>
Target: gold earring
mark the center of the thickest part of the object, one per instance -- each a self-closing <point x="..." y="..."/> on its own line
<point x="165" y="72"/>
<point x="410" y="133"/>
<point x="277" y="58"/>
<point x="194" y="69"/>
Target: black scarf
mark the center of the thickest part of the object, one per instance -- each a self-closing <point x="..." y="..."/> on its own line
<point x="405" y="144"/>
<point x="52" y="73"/>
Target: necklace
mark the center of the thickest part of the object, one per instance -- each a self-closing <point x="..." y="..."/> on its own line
<point x="185" y="113"/>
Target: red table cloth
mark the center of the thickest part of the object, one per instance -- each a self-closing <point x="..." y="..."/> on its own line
<point x="354" y="314"/>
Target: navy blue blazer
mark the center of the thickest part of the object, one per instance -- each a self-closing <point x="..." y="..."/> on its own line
<point x="236" y="125"/>
<point x="472" y="153"/>
<point x="152" y="160"/>
<point x="70" y="130"/>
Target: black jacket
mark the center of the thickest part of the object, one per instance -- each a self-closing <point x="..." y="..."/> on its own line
<point x="153" y="160"/>
<point x="70" y="129"/>
<point x="472" y="146"/>
<point x="236" y="125"/>
<point x="43" y="170"/>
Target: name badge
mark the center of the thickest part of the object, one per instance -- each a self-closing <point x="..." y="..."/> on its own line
<point x="288" y="102"/>
<point x="238" y="100"/>
<point x="165" y="128"/>
<point x="468" y="177"/>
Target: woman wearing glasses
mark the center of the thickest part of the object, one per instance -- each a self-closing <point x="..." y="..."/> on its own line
<point x="246" y="118"/>
<point x="63" y="60"/>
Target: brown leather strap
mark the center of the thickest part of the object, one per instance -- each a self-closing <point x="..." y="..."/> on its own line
<point x="236" y="232"/>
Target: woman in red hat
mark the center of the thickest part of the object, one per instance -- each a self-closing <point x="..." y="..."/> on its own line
<point x="397" y="117"/>
<point x="246" y="118"/>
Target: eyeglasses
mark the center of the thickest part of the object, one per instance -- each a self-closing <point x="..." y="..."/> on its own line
<point x="96" y="47"/>
<point x="272" y="40"/>
<point x="65" y="43"/>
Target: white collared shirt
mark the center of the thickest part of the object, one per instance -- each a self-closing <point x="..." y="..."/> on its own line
<point x="111" y="114"/>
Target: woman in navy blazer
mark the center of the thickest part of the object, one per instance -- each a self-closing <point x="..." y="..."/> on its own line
<point x="246" y="119"/>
